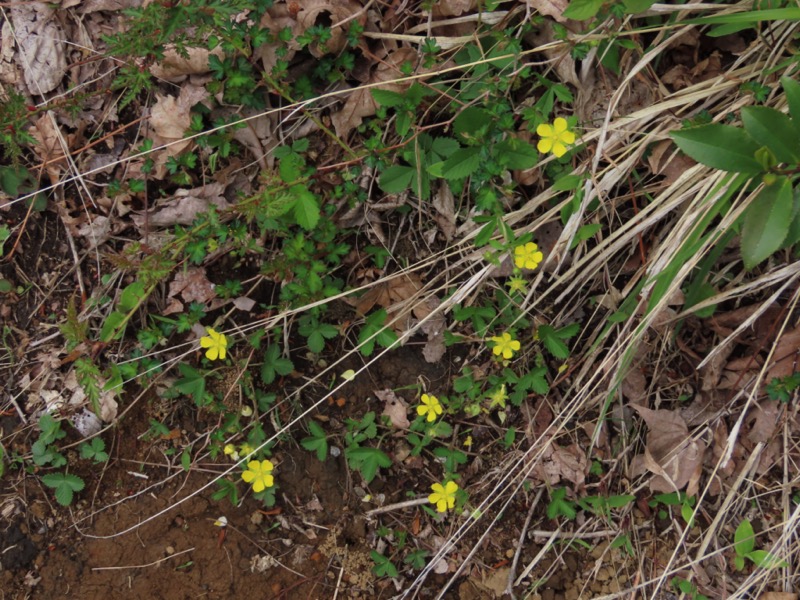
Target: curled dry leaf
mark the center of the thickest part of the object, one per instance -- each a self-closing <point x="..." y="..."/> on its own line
<point x="567" y="463"/>
<point x="313" y="12"/>
<point x="175" y="66"/>
<point x="550" y="8"/>
<point x="48" y="145"/>
<point x="40" y="38"/>
<point x="670" y="453"/>
<point x="184" y="207"/>
<point x="193" y="286"/>
<point x="394" y="407"/>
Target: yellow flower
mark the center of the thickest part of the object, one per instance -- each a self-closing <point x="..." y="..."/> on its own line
<point x="505" y="345"/>
<point x="430" y="406"/>
<point x="245" y="450"/>
<point x="230" y="450"/>
<point x="216" y="344"/>
<point x="555" y="137"/>
<point x="528" y="256"/>
<point x="259" y="474"/>
<point x="517" y="284"/>
<point x="443" y="496"/>
<point x="498" y="397"/>
<point x="468" y="441"/>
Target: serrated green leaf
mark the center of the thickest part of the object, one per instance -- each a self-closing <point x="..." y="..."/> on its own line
<point x="306" y="208"/>
<point x="551" y="341"/>
<point x="387" y="98"/>
<point x="471" y="120"/>
<point x="516" y="154"/>
<point x="396" y="179"/>
<point x="722" y="147"/>
<point x="774" y="130"/>
<point x="402" y="123"/>
<point x="744" y="539"/>
<point x="462" y="163"/>
<point x="766" y="222"/>
<point x="444" y="146"/>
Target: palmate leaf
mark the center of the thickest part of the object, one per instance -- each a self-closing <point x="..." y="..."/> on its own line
<point x="767" y="222"/>
<point x="722" y="147"/>
<point x="367" y="460"/>
<point x="306" y="207"/>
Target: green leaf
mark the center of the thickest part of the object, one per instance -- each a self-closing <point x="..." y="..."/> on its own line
<point x="738" y="562"/>
<point x="580" y="10"/>
<point x="552" y="342"/>
<point x="516" y="154"/>
<point x="584" y="233"/>
<point x="633" y="7"/>
<point x="765" y="560"/>
<point x="317" y="441"/>
<point x="274" y="364"/>
<point x="744" y="538"/>
<point x="444" y="146"/>
<point x="306" y="208"/>
<point x="396" y="179"/>
<point x="387" y="98"/>
<point x="722" y="147"/>
<point x="64" y="485"/>
<point x="774" y="130"/>
<point x="367" y="461"/>
<point x="766" y="222"/>
<point x="193" y="383"/>
<point x="471" y="121"/>
<point x="462" y="163"/>
<point x="131" y="296"/>
<point x="792" y="89"/>
<point x="402" y="123"/>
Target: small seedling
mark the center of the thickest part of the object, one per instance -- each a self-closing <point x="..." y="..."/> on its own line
<point x="383" y="566"/>
<point x="317" y="441"/>
<point x="94" y="450"/>
<point x="744" y="543"/>
<point x="65" y="485"/>
<point x="559" y="505"/>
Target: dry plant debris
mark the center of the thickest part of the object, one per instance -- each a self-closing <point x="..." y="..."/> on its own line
<point x="489" y="298"/>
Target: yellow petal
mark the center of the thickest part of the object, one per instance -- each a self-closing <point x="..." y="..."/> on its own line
<point x="560" y="124"/>
<point x="451" y="488"/>
<point x="544" y="130"/>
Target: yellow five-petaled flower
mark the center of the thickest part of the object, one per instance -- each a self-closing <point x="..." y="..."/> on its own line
<point x="443" y="496"/>
<point x="555" y="137"/>
<point x="430" y="406"/>
<point x="527" y="256"/>
<point x="505" y="345"/>
<point x="216" y="344"/>
<point x="259" y="475"/>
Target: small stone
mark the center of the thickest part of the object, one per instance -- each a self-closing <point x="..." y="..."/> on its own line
<point x="509" y="553"/>
<point x="169" y="550"/>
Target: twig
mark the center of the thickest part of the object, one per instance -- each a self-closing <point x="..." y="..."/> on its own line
<point x="397" y="506"/>
<point x="518" y="552"/>
<point x="152" y="564"/>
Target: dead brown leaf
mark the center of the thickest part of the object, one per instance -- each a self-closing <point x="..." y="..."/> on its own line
<point x="786" y="356"/>
<point x="394" y="407"/>
<point x="40" y="38"/>
<point x="763" y="421"/>
<point x="192" y="285"/>
<point x="170" y="118"/>
<point x="670" y="453"/>
<point x="184" y="207"/>
<point x="175" y="66"/>
<point x="778" y="596"/>
<point x="550" y="8"/>
<point x="559" y="463"/>
<point x="333" y="11"/>
<point x="48" y="145"/>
